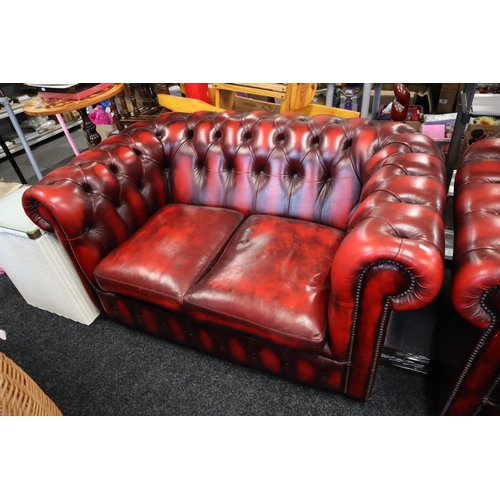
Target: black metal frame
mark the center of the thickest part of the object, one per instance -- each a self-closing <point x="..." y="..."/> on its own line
<point x="8" y="154"/>
<point x="13" y="162"/>
<point x="464" y="114"/>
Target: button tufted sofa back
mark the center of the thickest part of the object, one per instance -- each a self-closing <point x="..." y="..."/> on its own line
<point x="286" y="165"/>
<point x="470" y="354"/>
<point x="476" y="256"/>
<point x="309" y="168"/>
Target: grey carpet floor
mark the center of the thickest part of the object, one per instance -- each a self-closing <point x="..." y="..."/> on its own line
<point x="110" y="369"/>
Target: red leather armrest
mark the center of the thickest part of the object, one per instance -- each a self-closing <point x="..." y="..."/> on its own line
<point x="477" y="232"/>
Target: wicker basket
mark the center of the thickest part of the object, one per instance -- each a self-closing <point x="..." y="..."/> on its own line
<point x="20" y="395"/>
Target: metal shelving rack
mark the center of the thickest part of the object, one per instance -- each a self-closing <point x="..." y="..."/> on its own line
<point x="18" y="109"/>
<point x="471" y="104"/>
<point x="56" y="129"/>
<point x="13" y="119"/>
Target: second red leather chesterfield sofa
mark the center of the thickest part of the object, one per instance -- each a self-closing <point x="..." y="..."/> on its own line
<point x="470" y="353"/>
<point x="282" y="242"/>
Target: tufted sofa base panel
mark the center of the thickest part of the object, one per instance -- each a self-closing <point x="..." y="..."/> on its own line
<point x="319" y="370"/>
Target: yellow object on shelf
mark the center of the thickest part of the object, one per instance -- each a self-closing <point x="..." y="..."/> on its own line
<point x="185" y="104"/>
<point x="320" y="109"/>
<point x="292" y="97"/>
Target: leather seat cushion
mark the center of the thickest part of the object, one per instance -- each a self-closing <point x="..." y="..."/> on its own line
<point x="272" y="281"/>
<point x="162" y="260"/>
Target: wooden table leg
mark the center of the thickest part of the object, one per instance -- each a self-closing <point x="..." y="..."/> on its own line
<point x="115" y="114"/>
<point x="93" y="137"/>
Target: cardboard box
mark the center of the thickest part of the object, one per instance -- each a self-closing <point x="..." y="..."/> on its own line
<point x="426" y="91"/>
<point x="70" y="116"/>
<point x="447" y="97"/>
<point x="412" y="87"/>
<point x="476" y="132"/>
<point x="415" y="114"/>
<point x="105" y="130"/>
<point x="387" y="96"/>
<point x="416" y="90"/>
<point x="414" y="125"/>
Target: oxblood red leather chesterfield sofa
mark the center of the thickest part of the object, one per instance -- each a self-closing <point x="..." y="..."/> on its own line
<point x="475" y="291"/>
<point x="282" y="242"/>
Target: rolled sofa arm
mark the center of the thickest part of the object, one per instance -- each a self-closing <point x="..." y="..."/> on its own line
<point x="391" y="259"/>
<point x="475" y="289"/>
<point x="476" y="258"/>
<point x="102" y="196"/>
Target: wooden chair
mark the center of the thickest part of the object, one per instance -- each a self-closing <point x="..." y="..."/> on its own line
<point x="137" y="102"/>
<point x="294" y="97"/>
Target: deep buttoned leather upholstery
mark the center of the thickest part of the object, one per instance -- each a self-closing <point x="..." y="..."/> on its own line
<point x="166" y="256"/>
<point x="273" y="281"/>
<point x="475" y="289"/>
<point x="370" y="198"/>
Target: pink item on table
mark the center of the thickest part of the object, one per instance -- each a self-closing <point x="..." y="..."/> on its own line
<point x="100" y="117"/>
